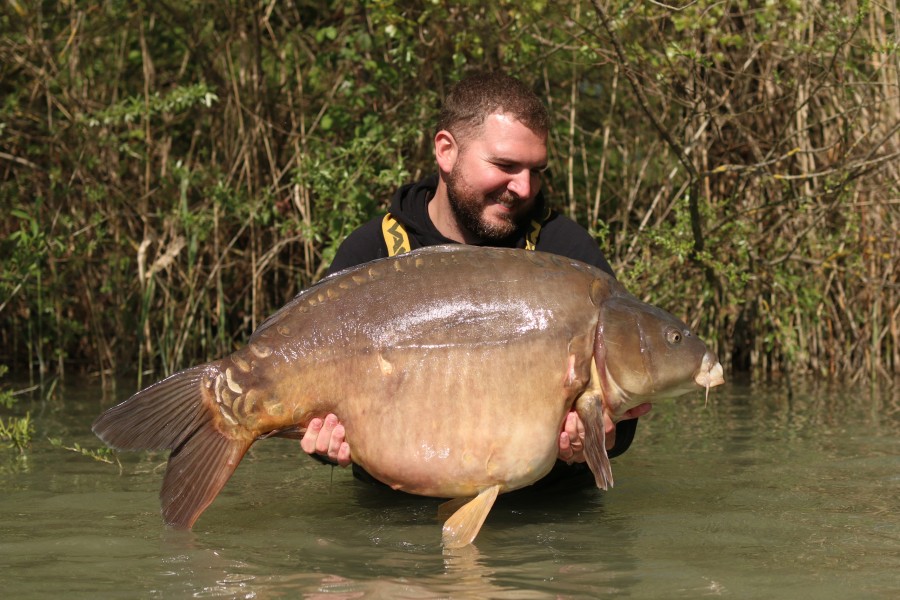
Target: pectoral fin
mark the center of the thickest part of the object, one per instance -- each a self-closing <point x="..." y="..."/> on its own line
<point x="589" y="407"/>
<point x="590" y="410"/>
<point x="462" y="527"/>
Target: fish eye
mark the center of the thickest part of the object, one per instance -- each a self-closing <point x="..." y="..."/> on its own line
<point x="673" y="336"/>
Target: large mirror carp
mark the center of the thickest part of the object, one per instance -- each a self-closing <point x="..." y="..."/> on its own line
<point x="419" y="355"/>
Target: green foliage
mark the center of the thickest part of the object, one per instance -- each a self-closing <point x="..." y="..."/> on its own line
<point x="171" y="174"/>
<point x="339" y="179"/>
<point x="134" y="108"/>
<point x="15" y="432"/>
<point x="104" y="455"/>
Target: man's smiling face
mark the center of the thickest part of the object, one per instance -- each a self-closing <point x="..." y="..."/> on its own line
<point x="496" y="177"/>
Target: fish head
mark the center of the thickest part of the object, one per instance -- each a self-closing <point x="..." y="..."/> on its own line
<point x="648" y="354"/>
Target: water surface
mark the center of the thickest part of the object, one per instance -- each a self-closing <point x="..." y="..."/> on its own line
<point x="767" y="492"/>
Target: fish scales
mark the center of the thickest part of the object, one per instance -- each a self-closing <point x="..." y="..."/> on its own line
<point x="421" y="357"/>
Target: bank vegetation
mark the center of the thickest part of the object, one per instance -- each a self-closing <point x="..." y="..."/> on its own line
<point x="173" y="172"/>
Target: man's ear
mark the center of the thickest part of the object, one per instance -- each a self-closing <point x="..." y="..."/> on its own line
<point x="446" y="150"/>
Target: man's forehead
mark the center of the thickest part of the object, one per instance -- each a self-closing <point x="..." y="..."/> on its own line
<point x="505" y="120"/>
<point x="504" y="137"/>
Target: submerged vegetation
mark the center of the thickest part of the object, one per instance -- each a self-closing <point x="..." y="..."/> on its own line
<point x="15" y="432"/>
<point x="104" y="455"/>
<point x="170" y="174"/>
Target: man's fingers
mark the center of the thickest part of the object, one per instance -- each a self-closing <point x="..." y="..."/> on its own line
<point x="578" y="438"/>
<point x="335" y="441"/>
<point x="571" y="440"/>
<point x="343" y="455"/>
<point x="323" y="442"/>
<point x="327" y="436"/>
<point x="570" y="425"/>
<point x="308" y="442"/>
<point x="565" y="447"/>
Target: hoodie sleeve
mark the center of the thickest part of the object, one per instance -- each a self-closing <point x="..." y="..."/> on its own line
<point x="562" y="236"/>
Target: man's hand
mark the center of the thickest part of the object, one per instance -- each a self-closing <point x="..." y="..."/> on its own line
<point x="326" y="437"/>
<point x="571" y="439"/>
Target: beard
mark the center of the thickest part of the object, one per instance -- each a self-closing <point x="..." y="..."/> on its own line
<point x="468" y="209"/>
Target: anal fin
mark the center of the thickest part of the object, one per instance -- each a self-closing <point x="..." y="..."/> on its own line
<point x="462" y="527"/>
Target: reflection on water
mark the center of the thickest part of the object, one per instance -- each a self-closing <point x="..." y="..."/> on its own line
<point x="767" y="492"/>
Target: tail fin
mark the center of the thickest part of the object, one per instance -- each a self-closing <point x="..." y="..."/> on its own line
<point x="173" y="415"/>
<point x="197" y="471"/>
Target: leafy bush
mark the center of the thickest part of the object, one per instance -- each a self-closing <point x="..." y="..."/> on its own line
<point x="172" y="174"/>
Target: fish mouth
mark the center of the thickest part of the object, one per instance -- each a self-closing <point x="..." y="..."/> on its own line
<point x="711" y="373"/>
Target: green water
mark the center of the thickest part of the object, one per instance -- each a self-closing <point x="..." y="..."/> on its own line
<point x="761" y="494"/>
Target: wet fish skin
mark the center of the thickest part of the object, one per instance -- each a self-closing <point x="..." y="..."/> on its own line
<point x="438" y="344"/>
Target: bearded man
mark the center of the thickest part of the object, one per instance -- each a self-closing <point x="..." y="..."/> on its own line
<point x="491" y="150"/>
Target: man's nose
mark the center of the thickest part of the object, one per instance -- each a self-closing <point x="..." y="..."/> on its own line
<point x="522" y="184"/>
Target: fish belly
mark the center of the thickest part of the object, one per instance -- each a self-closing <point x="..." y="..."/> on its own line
<point x="451" y="422"/>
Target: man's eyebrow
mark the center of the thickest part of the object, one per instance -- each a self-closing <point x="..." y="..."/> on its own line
<point x="500" y="160"/>
<point x="540" y="168"/>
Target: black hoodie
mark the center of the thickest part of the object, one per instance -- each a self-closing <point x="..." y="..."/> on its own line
<point x="559" y="235"/>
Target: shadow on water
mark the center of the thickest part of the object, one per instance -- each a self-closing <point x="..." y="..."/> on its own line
<point x="767" y="492"/>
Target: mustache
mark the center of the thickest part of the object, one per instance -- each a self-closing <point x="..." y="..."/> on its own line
<point x="506" y="196"/>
